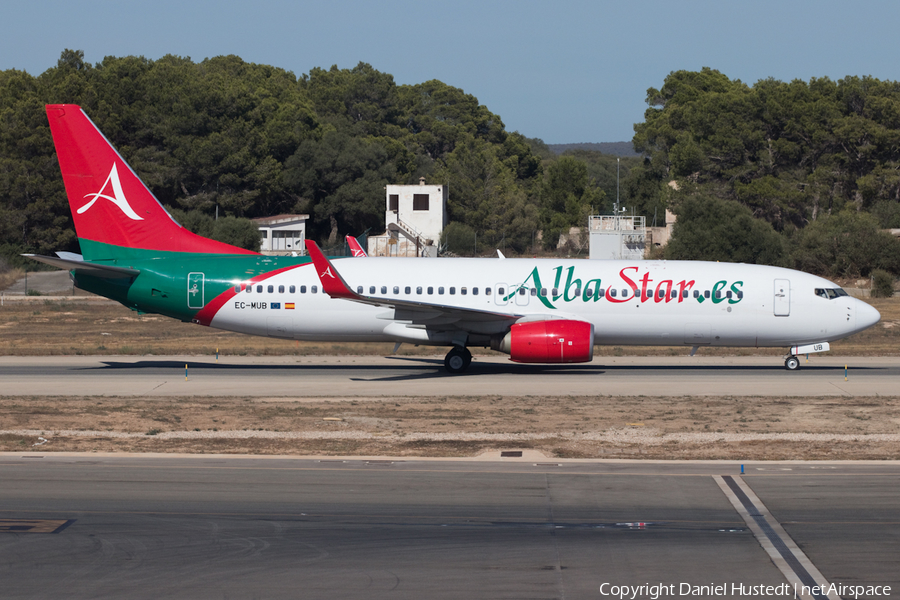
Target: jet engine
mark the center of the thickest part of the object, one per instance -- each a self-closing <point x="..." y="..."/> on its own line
<point x="552" y="341"/>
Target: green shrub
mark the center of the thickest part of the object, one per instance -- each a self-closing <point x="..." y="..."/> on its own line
<point x="882" y="284"/>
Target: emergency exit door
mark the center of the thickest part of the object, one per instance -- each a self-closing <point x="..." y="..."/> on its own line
<point x="195" y="290"/>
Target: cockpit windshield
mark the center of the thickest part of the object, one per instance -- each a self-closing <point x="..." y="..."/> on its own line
<point x="830" y="293"/>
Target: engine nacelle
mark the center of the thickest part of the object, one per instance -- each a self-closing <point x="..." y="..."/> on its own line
<point x="552" y="341"/>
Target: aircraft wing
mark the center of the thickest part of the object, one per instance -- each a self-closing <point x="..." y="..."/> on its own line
<point x="404" y="310"/>
<point x="88" y="268"/>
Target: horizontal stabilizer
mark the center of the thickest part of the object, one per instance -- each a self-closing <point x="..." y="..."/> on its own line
<point x="88" y="268"/>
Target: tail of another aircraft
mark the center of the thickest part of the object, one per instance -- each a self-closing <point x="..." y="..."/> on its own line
<point x="115" y="215"/>
<point x="355" y="249"/>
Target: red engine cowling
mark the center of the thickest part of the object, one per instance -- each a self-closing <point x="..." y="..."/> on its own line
<point x="553" y="341"/>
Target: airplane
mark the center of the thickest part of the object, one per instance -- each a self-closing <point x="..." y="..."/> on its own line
<point x="536" y="310"/>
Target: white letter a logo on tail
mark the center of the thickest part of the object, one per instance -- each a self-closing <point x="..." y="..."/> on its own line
<point x="117" y="198"/>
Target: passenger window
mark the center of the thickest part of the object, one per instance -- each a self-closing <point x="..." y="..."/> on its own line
<point x="501" y="291"/>
<point x="463" y="291"/>
<point x="237" y="289"/>
<point x="396" y="289"/>
<point x="661" y="293"/>
<point x="555" y="292"/>
<point x="674" y="294"/>
<point x="371" y="289"/>
<point x="430" y="290"/>
<point x="534" y="291"/>
<point x="407" y="290"/>
<point x="612" y="293"/>
<point x="419" y="290"/>
<point x="292" y="289"/>
<point x="728" y="294"/>
<point x="302" y="289"/>
<point x="440" y="291"/>
<point x="577" y="292"/>
<point x="474" y="291"/>
<point x="271" y="289"/>
<point x="249" y="289"/>
<point x="359" y="289"/>
<point x="314" y="289"/>
<point x="696" y="293"/>
<point x="601" y="293"/>
<point x="280" y="289"/>
<point x="740" y="295"/>
<point x="452" y="291"/>
<point x="624" y="293"/>
<point x="384" y="290"/>
<point x="259" y="289"/>
<point x="487" y="291"/>
<point x="522" y="291"/>
<point x="588" y="293"/>
<point x="718" y="294"/>
<point x="706" y="294"/>
<point x="543" y="292"/>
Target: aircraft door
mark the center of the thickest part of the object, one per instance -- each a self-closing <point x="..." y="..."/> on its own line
<point x="522" y="296"/>
<point x="782" y="298"/>
<point x="500" y="292"/>
<point x="195" y="291"/>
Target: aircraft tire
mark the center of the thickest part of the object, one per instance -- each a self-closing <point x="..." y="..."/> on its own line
<point x="792" y="363"/>
<point x="457" y="360"/>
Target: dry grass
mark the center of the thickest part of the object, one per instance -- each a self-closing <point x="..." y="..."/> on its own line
<point x="461" y="426"/>
<point x="9" y="277"/>
<point x="45" y="327"/>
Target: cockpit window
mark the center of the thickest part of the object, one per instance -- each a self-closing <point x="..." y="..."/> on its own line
<point x="830" y="293"/>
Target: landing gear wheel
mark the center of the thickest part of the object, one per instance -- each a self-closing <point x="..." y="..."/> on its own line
<point x="457" y="360"/>
<point x="792" y="363"/>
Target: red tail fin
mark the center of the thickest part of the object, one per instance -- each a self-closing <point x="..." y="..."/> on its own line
<point x="109" y="203"/>
<point x="355" y="249"/>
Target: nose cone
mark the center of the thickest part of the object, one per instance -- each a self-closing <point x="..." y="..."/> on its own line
<point x="866" y="316"/>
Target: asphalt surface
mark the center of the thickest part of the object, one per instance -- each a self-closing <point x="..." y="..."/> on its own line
<point x="222" y="527"/>
<point x="322" y="376"/>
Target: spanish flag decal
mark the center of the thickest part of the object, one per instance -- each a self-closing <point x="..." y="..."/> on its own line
<point x="289" y="305"/>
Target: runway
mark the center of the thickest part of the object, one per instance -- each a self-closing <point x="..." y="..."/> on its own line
<point x="347" y="376"/>
<point x="235" y="527"/>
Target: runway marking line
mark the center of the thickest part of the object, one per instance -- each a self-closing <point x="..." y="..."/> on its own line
<point x="437" y="518"/>
<point x="132" y="466"/>
<point x="486" y="471"/>
<point x="781" y="548"/>
<point x="34" y="525"/>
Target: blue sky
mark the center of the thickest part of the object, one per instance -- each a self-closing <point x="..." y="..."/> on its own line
<point x="562" y="71"/>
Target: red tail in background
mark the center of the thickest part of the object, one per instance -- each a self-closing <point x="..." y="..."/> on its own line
<point x="355" y="249"/>
<point x="109" y="203"/>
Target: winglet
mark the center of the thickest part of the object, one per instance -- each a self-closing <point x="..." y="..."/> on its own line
<point x="332" y="282"/>
<point x="355" y="249"/>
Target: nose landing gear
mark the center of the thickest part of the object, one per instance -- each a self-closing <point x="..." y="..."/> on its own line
<point x="457" y="360"/>
<point x="792" y="363"/>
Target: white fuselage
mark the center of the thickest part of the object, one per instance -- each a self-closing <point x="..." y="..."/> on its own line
<point x="670" y="303"/>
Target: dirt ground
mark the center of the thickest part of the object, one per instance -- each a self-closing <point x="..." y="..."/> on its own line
<point x="736" y="428"/>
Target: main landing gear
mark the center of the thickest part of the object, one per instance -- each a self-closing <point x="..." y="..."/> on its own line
<point x="792" y="363"/>
<point x="457" y="360"/>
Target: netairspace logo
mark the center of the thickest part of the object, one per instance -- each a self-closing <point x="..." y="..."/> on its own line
<point x="786" y="590"/>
